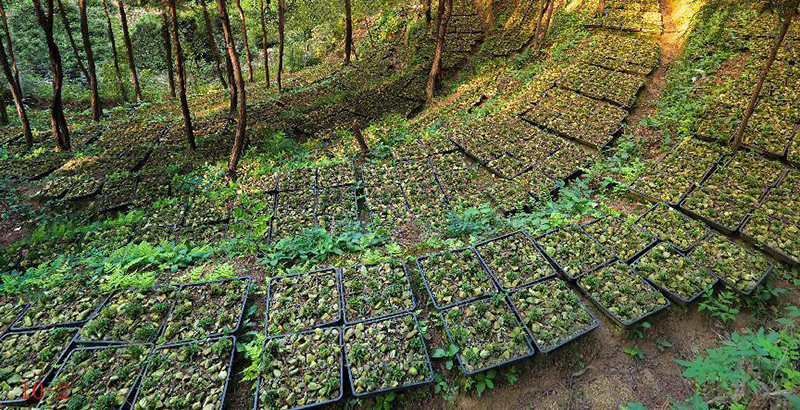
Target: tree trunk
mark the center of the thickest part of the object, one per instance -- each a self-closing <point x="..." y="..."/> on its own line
<point x="427" y="9"/>
<point x="212" y="45"/>
<point x="264" y="43"/>
<point x="68" y="30"/>
<point x="435" y="78"/>
<point x="539" y="17"/>
<point x="3" y="105"/>
<point x="362" y="144"/>
<point x="126" y="37"/>
<point x="348" y="31"/>
<point x="16" y="94"/>
<point x="168" y="50"/>
<point x="241" y="121"/>
<point x="97" y="106"/>
<point x="244" y="43"/>
<point x="545" y="26"/>
<point x="181" y="72"/>
<point x="790" y="12"/>
<point x="117" y="71"/>
<point x="57" y="120"/>
<point x="280" y="43"/>
<point x="10" y="45"/>
<point x="231" y="80"/>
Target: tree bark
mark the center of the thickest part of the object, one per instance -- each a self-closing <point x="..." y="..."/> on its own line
<point x="181" y="73"/>
<point x="348" y="31"/>
<point x="126" y="37"/>
<point x="10" y="45"/>
<point x="168" y="50"/>
<point x="241" y="122"/>
<point x="97" y="105"/>
<point x="545" y="26"/>
<point x="362" y="144"/>
<point x="435" y="77"/>
<point x="280" y="42"/>
<point x="426" y="5"/>
<point x="57" y="120"/>
<point x="212" y="45"/>
<point x="539" y="17"/>
<point x="232" y="81"/>
<point x="68" y="30"/>
<point x="16" y="94"/>
<point x="264" y="42"/>
<point x="751" y="106"/>
<point x="3" y="106"/>
<point x="244" y="42"/>
<point x="117" y="71"/>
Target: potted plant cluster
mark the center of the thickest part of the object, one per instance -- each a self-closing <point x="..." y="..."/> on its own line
<point x="98" y="377"/>
<point x="303" y="301"/>
<point x="514" y="260"/>
<point x="297" y="179"/>
<point x="454" y="277"/>
<point x="207" y="309"/>
<point x="29" y="357"/>
<point x="336" y="174"/>
<point x="670" y="225"/>
<point x="596" y="82"/>
<point x="622" y="53"/>
<point x="73" y="302"/>
<point x="375" y="290"/>
<point x="776" y="222"/>
<point x="624" y="295"/>
<point x="740" y="269"/>
<point x="620" y="235"/>
<point x="552" y="313"/>
<point x="574" y="251"/>
<point x="117" y="193"/>
<point x="386" y="198"/>
<point x="11" y="308"/>
<point x="130" y="315"/>
<point x="384" y="355"/>
<point x="676" y="274"/>
<point x="187" y="375"/>
<point x="301" y="370"/>
<point x="487" y="334"/>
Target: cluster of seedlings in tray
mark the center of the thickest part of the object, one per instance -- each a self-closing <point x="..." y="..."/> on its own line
<point x="373" y="291"/>
<point x="739" y="268"/>
<point x="73" y="301"/>
<point x="675" y="273"/>
<point x="130" y="315"/>
<point x="294" y="213"/>
<point x="574" y="251"/>
<point x="622" y="293"/>
<point x="303" y="301"/>
<point x="620" y="236"/>
<point x="189" y="375"/>
<point x="670" y="225"/>
<point x="386" y="354"/>
<point x="622" y="53"/>
<point x="207" y="309"/>
<point x="29" y="357"/>
<point x="776" y="223"/>
<point x="552" y="313"/>
<point x="10" y="310"/>
<point x="454" y="277"/>
<point x="98" y="378"/>
<point x="487" y="334"/>
<point x="597" y="82"/>
<point x="301" y="370"/>
<point x="514" y="260"/>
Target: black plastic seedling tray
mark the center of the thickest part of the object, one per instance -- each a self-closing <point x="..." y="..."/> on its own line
<point x="726" y="229"/>
<point x="558" y="265"/>
<point x="390" y="389"/>
<point x="671" y="295"/>
<point x="146" y="367"/>
<point x="312" y="405"/>
<point x="161" y="327"/>
<point x="528" y="344"/>
<point x="181" y="287"/>
<point x="575" y="336"/>
<point x="343" y="294"/>
<point x="681" y="215"/>
<point x="19" y="316"/>
<point x="636" y="255"/>
<point x="615" y="318"/>
<point x="774" y="251"/>
<point x="536" y="247"/>
<point x="47" y="377"/>
<point x="770" y="266"/>
<point x="134" y="386"/>
<point x="338" y="320"/>
<point x="461" y="302"/>
<point x="76" y="323"/>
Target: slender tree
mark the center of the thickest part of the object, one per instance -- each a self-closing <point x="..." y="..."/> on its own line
<point x="181" y="73"/>
<point x="10" y="44"/>
<point x="264" y="40"/>
<point x="435" y="77"/>
<point x="212" y="44"/>
<point x="97" y="106"/>
<point x="247" y="54"/>
<point x="68" y="29"/>
<point x="543" y="28"/>
<point x="58" y="121"/>
<point x="241" y="121"/>
<point x="426" y="6"/>
<point x="791" y="9"/>
<point x="231" y="80"/>
<point x="348" y="31"/>
<point x="126" y="38"/>
<point x="3" y="106"/>
<point x="168" y="51"/>
<point x="113" y="42"/>
<point x="281" y="13"/>
<point x="16" y="94"/>
<point x="539" y="16"/>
